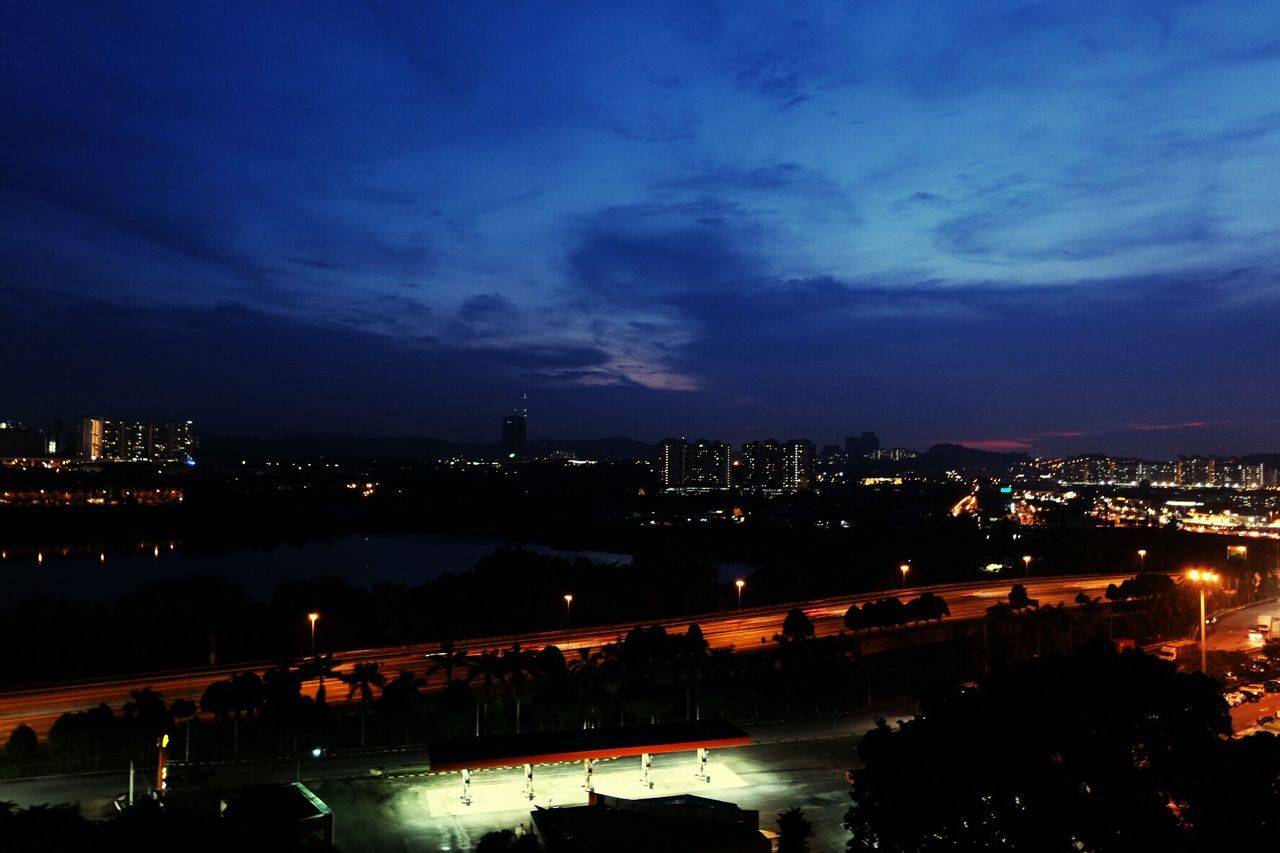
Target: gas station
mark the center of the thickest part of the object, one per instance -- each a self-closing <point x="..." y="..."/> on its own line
<point x="585" y="747"/>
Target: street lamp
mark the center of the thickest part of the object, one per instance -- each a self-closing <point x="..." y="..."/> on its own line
<point x="904" y="568"/>
<point x="1026" y="562"/>
<point x="312" y="617"/>
<point x="739" y="583"/>
<point x="1202" y="578"/>
<point x="1142" y="560"/>
<point x="1240" y="552"/>
<point x="568" y="609"/>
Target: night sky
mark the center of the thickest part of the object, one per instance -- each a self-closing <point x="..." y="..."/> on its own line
<point x="1049" y="226"/>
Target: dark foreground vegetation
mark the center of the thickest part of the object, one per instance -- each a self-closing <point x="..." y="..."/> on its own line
<point x="179" y="825"/>
<point x="1094" y="750"/>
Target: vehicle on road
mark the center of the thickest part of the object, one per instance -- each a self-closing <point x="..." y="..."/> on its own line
<point x="1271" y="685"/>
<point x="1169" y="653"/>
<point x="1253" y="692"/>
<point x="1234" y="698"/>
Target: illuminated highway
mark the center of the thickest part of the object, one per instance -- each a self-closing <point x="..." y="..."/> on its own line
<point x="40" y="706"/>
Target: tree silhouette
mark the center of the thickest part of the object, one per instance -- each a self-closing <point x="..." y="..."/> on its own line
<point x="794" y="831"/>
<point x="1019" y="600"/>
<point x="1109" y="761"/>
<point x="797" y="627"/>
<point x="362" y="678"/>
<point x="23" y="745"/>
<point x="446" y="660"/>
<point x="489" y="668"/>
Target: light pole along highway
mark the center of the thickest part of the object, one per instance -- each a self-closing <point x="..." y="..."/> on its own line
<point x="312" y="617"/>
<point x="1202" y="578"/>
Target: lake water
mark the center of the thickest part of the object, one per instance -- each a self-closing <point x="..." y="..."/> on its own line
<point x="88" y="575"/>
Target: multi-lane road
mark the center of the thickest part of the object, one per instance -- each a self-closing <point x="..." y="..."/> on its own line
<point x="40" y="705"/>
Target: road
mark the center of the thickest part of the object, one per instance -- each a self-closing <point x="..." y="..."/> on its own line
<point x="40" y="706"/>
<point x="392" y="801"/>
<point x="1231" y="633"/>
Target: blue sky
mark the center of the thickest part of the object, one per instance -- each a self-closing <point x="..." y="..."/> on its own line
<point x="1039" y="225"/>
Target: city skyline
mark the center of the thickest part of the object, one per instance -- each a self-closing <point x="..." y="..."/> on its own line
<point x="1015" y="227"/>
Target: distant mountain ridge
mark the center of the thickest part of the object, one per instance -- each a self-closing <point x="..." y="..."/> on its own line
<point x="957" y="457"/>
<point x="343" y="446"/>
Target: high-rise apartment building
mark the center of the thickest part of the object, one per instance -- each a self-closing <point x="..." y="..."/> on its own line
<point x="798" y="462"/>
<point x="702" y="465"/>
<point x="764" y="462"/>
<point x="671" y="462"/>
<point x="18" y="441"/>
<point x="103" y="440"/>
<point x="774" y="466"/>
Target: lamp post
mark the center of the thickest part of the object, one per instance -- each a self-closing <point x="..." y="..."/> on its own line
<point x="312" y="617"/>
<point x="568" y="609"/>
<point x="1202" y="578"/>
<point x="1026" y="562"/>
<point x="1142" y="560"/>
<point x="1241" y="552"/>
<point x="739" y="583"/>
<point x="904" y="568"/>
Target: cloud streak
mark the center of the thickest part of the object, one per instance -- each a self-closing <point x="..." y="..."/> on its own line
<point x="985" y="220"/>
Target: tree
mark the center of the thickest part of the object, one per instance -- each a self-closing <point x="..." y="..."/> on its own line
<point x="446" y="660"/>
<point x="797" y="627"/>
<point x="935" y="606"/>
<point x="217" y="699"/>
<point x="1112" y="759"/>
<point x="507" y="841"/>
<point x="363" y="677"/>
<point x="794" y="831"/>
<point x="403" y="694"/>
<point x="489" y="668"/>
<point x="146" y="707"/>
<point x="520" y="666"/>
<point x="1019" y="600"/>
<point x="37" y="829"/>
<point x="23" y="745"/>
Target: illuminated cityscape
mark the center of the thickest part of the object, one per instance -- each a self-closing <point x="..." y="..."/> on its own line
<point x="103" y="440"/>
<point x="697" y="427"/>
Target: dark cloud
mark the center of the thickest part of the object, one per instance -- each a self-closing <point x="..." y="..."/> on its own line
<point x="233" y="368"/>
<point x="487" y="306"/>
<point x="1002" y="221"/>
<point x="313" y="263"/>
<point x="621" y="267"/>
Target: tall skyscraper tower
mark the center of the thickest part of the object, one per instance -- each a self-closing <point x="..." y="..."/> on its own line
<point x="513" y="436"/>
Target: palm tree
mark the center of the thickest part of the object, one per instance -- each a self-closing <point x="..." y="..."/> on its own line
<point x="147" y="707"/>
<point x="446" y="659"/>
<point x="363" y="677"/>
<point x="319" y="667"/>
<point x="489" y="668"/>
<point x="520" y="666"/>
<point x="584" y="672"/>
<point x="401" y="698"/>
